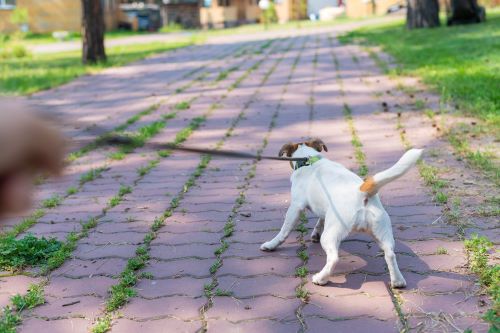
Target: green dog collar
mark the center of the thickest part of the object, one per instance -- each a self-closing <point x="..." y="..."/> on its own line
<point x="310" y="161"/>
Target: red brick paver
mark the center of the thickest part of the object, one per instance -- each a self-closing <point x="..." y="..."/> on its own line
<point x="296" y="88"/>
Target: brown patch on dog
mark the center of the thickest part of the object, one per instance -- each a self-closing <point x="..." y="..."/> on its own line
<point x="288" y="149"/>
<point x="316" y="144"/>
<point x="369" y="186"/>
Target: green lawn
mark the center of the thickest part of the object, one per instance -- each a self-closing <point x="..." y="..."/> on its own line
<point x="38" y="72"/>
<point x="460" y="62"/>
<point x="46" y="38"/>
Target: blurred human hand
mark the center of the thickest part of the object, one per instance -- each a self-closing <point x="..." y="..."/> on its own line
<point x="29" y="146"/>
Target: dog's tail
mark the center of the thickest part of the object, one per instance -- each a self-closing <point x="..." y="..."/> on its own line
<point x="373" y="184"/>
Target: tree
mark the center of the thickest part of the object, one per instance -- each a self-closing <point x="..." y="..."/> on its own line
<point x="466" y="11"/>
<point x="20" y="17"/>
<point x="422" y="14"/>
<point x="92" y="32"/>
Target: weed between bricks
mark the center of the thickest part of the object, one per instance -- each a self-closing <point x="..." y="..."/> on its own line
<point x="124" y="290"/>
<point x="12" y="319"/>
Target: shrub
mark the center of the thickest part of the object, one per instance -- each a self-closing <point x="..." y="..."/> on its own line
<point x="19" y="16"/>
<point x="8" y="51"/>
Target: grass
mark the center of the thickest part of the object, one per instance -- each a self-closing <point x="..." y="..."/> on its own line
<point x="215" y="266"/>
<point x="44" y="71"/>
<point x="121" y="292"/>
<point x="91" y="175"/>
<point x="302" y="293"/>
<point x="46" y="38"/>
<point x="102" y="325"/>
<point x="224" y="74"/>
<point x="9" y="320"/>
<point x="462" y="62"/>
<point x="124" y="190"/>
<point x="441" y="197"/>
<point x="477" y="249"/>
<point x="480" y="160"/>
<point x="431" y="177"/>
<point x="52" y="202"/>
<point x="58" y="257"/>
<point x="33" y="297"/>
<point x="184" y="105"/>
<point x="301" y="271"/>
<point x="117" y="155"/>
<point x="356" y="142"/>
<point x="229" y="226"/>
<point x="71" y="190"/>
<point x="39" y="72"/>
<point x="124" y="290"/>
<point x="303" y="255"/>
<point x="223" y="293"/>
<point x="139" y="138"/>
<point x="136" y="117"/>
<point x="25" y="223"/>
<point x="222" y="248"/>
<point x="441" y="250"/>
<point x="419" y="104"/>
<point x="490" y="207"/>
<point x="16" y="254"/>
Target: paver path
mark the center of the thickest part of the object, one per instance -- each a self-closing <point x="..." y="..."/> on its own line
<point x="205" y="270"/>
<point x="66" y="46"/>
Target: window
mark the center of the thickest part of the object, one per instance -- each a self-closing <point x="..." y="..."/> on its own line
<point x="7" y="4"/>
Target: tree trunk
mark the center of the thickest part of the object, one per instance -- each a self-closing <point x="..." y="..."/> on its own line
<point x="92" y="32"/>
<point x="422" y="14"/>
<point x="465" y="12"/>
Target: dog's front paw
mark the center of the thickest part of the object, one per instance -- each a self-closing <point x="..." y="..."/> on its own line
<point x="319" y="279"/>
<point x="401" y="283"/>
<point x="268" y="246"/>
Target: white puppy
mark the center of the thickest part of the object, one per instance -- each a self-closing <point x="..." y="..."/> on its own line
<point x="343" y="203"/>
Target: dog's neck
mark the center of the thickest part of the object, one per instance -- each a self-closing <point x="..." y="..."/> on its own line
<point x="305" y="151"/>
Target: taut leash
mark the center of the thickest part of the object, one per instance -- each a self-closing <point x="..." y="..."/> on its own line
<point x="122" y="140"/>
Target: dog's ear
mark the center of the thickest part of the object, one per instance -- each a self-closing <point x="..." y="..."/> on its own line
<point x="288" y="149"/>
<point x="317" y="144"/>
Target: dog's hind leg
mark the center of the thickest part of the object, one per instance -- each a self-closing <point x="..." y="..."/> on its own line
<point x="330" y="241"/>
<point x="291" y="220"/>
<point x="382" y="231"/>
<point x="318" y="230"/>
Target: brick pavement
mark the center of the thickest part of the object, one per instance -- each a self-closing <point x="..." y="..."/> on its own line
<point x="200" y="276"/>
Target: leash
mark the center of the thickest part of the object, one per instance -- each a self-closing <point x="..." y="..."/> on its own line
<point x="122" y="140"/>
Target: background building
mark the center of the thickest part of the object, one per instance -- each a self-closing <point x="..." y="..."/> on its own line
<point x="54" y="15"/>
